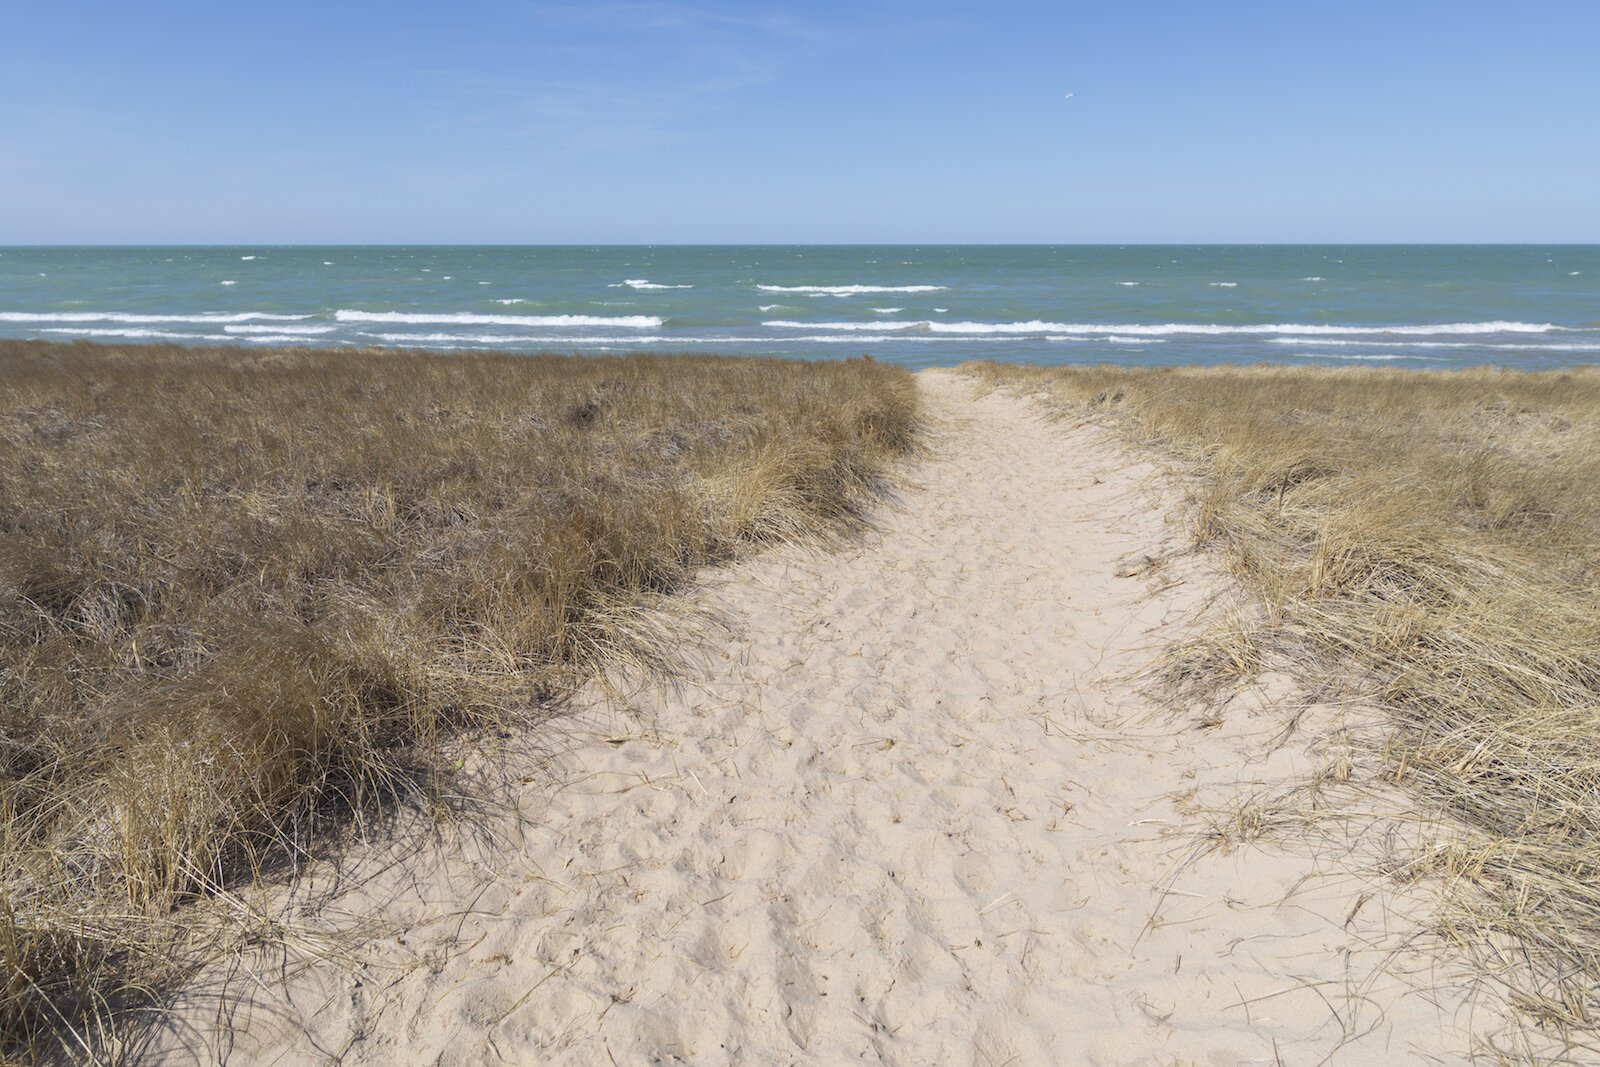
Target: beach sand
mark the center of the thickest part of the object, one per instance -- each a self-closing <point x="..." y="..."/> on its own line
<point x="913" y="804"/>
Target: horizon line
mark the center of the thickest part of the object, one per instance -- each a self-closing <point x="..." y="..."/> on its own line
<point x="802" y="244"/>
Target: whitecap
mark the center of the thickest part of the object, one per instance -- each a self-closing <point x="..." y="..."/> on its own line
<point x="851" y="290"/>
<point x="789" y="324"/>
<point x="1314" y="278"/>
<point x="420" y="338"/>
<point x="449" y="339"/>
<point x="886" y="311"/>
<point x="168" y="335"/>
<point x="119" y="316"/>
<point x="1127" y="283"/>
<point x="1225" y="285"/>
<point x="247" y="258"/>
<point x="281" y="330"/>
<point x="1177" y="328"/>
<point x="230" y="282"/>
<point x="1113" y="339"/>
<point x="538" y="339"/>
<point x="645" y="283"/>
<point x="629" y="322"/>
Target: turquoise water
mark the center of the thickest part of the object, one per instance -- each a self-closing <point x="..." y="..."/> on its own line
<point x="1411" y="306"/>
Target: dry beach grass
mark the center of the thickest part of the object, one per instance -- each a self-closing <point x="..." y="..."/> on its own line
<point x="253" y="602"/>
<point x="917" y="803"/>
<point x="1435" y="537"/>
<point x="249" y="600"/>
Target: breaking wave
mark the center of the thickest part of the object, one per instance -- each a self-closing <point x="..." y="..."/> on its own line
<point x="120" y="316"/>
<point x="851" y="290"/>
<point x="1174" y="328"/>
<point x="468" y="318"/>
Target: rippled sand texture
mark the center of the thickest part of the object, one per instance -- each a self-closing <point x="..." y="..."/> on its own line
<point x="912" y="810"/>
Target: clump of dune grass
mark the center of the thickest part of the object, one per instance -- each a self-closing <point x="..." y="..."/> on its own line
<point x="249" y="599"/>
<point x="1434" y="537"/>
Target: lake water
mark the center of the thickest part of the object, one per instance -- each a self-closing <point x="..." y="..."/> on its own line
<point x="1528" y="306"/>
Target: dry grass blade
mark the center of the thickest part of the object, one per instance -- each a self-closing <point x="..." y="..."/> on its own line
<point x="1437" y="535"/>
<point x="247" y="598"/>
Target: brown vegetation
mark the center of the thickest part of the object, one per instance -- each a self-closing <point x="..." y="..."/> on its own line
<point x="249" y="597"/>
<point x="1437" y="534"/>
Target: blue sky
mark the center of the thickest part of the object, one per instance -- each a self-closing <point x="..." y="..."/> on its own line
<point x="871" y="121"/>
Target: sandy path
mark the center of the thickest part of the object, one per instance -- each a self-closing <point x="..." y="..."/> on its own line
<point x="912" y="812"/>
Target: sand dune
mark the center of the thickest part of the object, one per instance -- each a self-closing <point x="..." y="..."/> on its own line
<point x="913" y="807"/>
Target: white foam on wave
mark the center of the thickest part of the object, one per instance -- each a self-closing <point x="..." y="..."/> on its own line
<point x="247" y="258"/>
<point x="1225" y="285"/>
<point x="851" y="290"/>
<point x="166" y="335"/>
<point x="230" y="282"/>
<point x="468" y="318"/>
<point x="426" y="338"/>
<point x="1177" y="328"/>
<point x="302" y="331"/>
<point x="1314" y="278"/>
<point x="644" y="283"/>
<point x="790" y="324"/>
<point x="119" y="316"/>
<point x="449" y="339"/>
<point x="929" y="326"/>
<point x="886" y="311"/>
<point x="550" y="339"/>
<point x="841" y="339"/>
<point x="1113" y="339"/>
<point x="1127" y="283"/>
